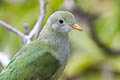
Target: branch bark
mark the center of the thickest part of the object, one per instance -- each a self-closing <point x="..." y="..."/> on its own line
<point x="26" y="29"/>
<point x="35" y="31"/>
<point x="10" y="28"/>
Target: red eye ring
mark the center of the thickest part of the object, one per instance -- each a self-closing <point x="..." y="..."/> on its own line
<point x="61" y="21"/>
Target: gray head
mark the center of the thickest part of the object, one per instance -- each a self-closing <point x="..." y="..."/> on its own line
<point x="63" y="21"/>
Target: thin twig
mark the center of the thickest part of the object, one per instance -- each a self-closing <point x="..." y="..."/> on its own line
<point x="10" y="28"/>
<point x="24" y="38"/>
<point x="35" y="31"/>
<point x="26" y="29"/>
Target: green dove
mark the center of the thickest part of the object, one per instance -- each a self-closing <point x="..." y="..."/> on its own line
<point x="46" y="57"/>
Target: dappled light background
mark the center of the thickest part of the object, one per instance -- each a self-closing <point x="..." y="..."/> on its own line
<point x="95" y="52"/>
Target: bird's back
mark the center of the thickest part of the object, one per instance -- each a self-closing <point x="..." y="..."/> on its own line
<point x="33" y="62"/>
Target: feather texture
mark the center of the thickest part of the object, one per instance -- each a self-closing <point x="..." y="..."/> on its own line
<point x="33" y="62"/>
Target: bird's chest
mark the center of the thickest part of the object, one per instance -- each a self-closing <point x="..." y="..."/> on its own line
<point x="60" y="46"/>
<point x="62" y="53"/>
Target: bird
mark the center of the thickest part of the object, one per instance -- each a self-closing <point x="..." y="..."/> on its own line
<point x="46" y="57"/>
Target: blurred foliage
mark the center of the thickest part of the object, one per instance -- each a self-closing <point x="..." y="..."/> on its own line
<point x="87" y="61"/>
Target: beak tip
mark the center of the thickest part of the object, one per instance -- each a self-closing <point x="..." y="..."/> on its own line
<point x="77" y="27"/>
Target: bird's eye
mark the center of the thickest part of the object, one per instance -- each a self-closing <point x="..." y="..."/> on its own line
<point x="61" y="21"/>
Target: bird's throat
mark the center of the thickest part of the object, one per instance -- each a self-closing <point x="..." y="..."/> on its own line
<point x="58" y="41"/>
<point x="54" y="38"/>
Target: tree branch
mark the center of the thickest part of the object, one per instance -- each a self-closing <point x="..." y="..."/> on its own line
<point x="26" y="29"/>
<point x="35" y="31"/>
<point x="10" y="28"/>
<point x="27" y="37"/>
<point x="17" y="32"/>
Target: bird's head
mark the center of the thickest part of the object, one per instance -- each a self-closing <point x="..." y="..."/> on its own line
<point x="63" y="21"/>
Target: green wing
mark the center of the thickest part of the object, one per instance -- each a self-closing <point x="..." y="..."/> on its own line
<point x="33" y="62"/>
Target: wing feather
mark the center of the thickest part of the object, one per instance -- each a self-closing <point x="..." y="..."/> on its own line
<point x="33" y="62"/>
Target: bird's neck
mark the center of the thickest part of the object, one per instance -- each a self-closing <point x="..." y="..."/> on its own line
<point x="52" y="37"/>
<point x="58" y="41"/>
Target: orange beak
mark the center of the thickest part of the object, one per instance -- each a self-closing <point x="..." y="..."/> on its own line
<point x="77" y="27"/>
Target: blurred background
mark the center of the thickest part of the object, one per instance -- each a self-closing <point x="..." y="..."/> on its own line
<point x="95" y="52"/>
